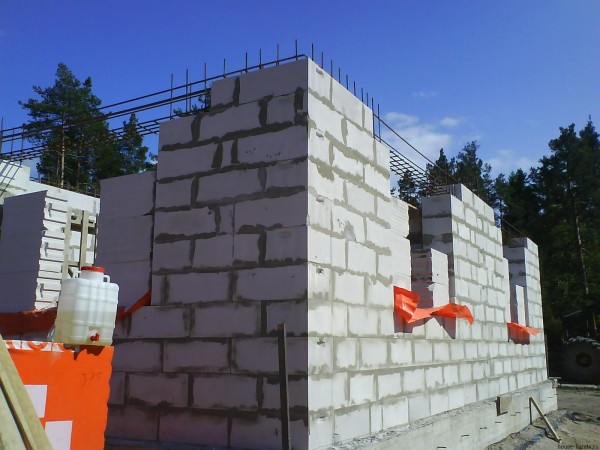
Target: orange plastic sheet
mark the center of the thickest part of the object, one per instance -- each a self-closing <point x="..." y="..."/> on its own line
<point x="12" y="324"/>
<point x="143" y="301"/>
<point x="522" y="328"/>
<point x="406" y="305"/>
<point x="69" y="390"/>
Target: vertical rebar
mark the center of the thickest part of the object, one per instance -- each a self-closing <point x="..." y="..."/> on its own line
<point x="321" y="60"/>
<point x="187" y="91"/>
<point x="339" y="74"/>
<point x="171" y="100"/>
<point x="296" y="49"/>
<point x="354" y="88"/>
<point x="260" y="58"/>
<point x="346" y="81"/>
<point x="379" y="121"/>
<point x="224" y="68"/>
<point x="312" y="51"/>
<point x="277" y="61"/>
<point x="246" y="61"/>
<point x="362" y="98"/>
<point x="283" y="387"/>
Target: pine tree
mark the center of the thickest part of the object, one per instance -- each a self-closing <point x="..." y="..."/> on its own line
<point x="471" y="171"/>
<point x="80" y="150"/>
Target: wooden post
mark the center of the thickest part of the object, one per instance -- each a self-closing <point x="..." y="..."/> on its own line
<point x="283" y="387"/>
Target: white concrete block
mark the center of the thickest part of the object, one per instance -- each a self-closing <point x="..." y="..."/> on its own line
<point x="361" y="258"/>
<point x="196" y="356"/>
<point x="174" y="193"/>
<point x="287" y="244"/>
<point x="287" y="174"/>
<point x="346" y="353"/>
<point x="395" y="412"/>
<point x="133" y="279"/>
<point x="348" y="166"/>
<point x="228" y="319"/>
<point x="281" y="109"/>
<point x="377" y="180"/>
<point x="225" y="392"/>
<point x="418" y="406"/>
<point x="277" y="283"/>
<point x="413" y="380"/>
<point x="128" y="239"/>
<point x="275" y="81"/>
<point x="282" y="211"/>
<point x="362" y="321"/>
<point x="295" y="315"/>
<point x="157" y="388"/>
<point x="373" y="353"/>
<point x="401" y="351"/>
<point x="171" y="256"/>
<point x="230" y="120"/>
<point x="348" y="224"/>
<point x="362" y="388"/>
<point x="325" y="118"/>
<point x="319" y="246"/>
<point x="389" y="385"/>
<point x="175" y="132"/>
<point x="198" y="287"/>
<point x="282" y="145"/>
<point x="160" y="322"/>
<point x="228" y="185"/>
<point x="186" y="223"/>
<point x="351" y="424"/>
<point x="359" y="198"/>
<point x="245" y="248"/>
<point x="214" y="252"/>
<point x="222" y="91"/>
<point x="319" y="81"/>
<point x="350" y="288"/>
<point x="128" y="196"/>
<point x="346" y="103"/>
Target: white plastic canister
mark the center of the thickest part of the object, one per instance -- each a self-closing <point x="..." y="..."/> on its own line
<point x="87" y="309"/>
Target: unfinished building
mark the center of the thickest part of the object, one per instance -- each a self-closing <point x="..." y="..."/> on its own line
<point x="275" y="206"/>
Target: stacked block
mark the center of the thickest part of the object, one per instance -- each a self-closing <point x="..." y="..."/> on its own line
<point x="275" y="206"/>
<point x="31" y="251"/>
<point x="125" y="233"/>
<point x="524" y="276"/>
<point x="430" y="277"/>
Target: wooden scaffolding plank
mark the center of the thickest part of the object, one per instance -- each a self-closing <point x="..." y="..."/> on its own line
<point x="32" y="434"/>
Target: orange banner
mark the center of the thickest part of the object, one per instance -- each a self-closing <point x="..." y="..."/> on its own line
<point x="406" y="305"/>
<point x="69" y="390"/>
<point x="522" y="328"/>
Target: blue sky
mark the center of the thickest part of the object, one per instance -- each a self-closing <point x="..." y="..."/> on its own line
<point x="506" y="73"/>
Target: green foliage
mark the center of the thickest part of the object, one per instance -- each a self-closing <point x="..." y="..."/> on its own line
<point x="79" y="148"/>
<point x="202" y="106"/>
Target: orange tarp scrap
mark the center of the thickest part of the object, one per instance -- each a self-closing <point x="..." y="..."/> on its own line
<point x="12" y="324"/>
<point x="522" y="328"/>
<point x="406" y="305"/>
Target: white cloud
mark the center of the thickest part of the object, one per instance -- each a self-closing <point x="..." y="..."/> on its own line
<point x="423" y="136"/>
<point x="425" y="94"/>
<point x="451" y="122"/>
<point x="506" y="161"/>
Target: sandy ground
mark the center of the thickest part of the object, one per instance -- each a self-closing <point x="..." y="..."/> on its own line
<point x="577" y="423"/>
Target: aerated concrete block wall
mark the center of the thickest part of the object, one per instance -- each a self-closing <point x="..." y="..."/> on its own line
<point x="126" y="233"/>
<point x="275" y="206"/>
<point x="229" y="264"/>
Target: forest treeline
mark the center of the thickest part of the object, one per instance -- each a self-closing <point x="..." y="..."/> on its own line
<point x="556" y="203"/>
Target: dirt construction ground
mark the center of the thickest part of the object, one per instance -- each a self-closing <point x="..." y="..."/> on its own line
<point x="577" y="423"/>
